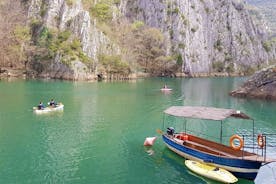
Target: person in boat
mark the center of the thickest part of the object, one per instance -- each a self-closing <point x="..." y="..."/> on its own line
<point x="165" y="86"/>
<point x="52" y="103"/>
<point x="170" y="131"/>
<point x="40" y="106"/>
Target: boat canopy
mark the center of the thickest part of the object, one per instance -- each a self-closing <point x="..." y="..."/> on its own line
<point x="208" y="113"/>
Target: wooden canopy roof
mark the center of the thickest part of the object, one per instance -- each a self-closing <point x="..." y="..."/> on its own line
<point x="208" y="113"/>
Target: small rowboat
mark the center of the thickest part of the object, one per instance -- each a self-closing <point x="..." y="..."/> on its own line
<point x="211" y="172"/>
<point x="165" y="89"/>
<point x="58" y="107"/>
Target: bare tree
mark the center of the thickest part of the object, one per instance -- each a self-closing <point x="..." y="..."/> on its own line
<point x="13" y="36"/>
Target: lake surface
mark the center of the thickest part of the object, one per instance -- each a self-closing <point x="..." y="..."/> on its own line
<point x="99" y="136"/>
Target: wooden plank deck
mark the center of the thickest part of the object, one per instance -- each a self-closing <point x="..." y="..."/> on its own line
<point x="207" y="149"/>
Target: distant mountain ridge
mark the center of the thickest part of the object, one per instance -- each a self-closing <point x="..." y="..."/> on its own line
<point x="268" y="9"/>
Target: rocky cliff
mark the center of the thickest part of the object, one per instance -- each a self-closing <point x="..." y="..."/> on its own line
<point x="267" y="10"/>
<point x="209" y="35"/>
<point x="62" y="15"/>
<point x="260" y="85"/>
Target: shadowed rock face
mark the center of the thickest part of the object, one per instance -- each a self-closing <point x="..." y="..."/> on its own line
<point x="261" y="85"/>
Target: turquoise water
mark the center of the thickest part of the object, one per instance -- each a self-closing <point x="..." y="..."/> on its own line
<point x="99" y="136"/>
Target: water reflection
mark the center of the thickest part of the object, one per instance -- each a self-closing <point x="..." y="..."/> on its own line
<point x="177" y="163"/>
<point x="98" y="138"/>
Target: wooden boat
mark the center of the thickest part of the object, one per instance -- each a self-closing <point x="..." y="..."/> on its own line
<point x="58" y="107"/>
<point x="211" y="172"/>
<point x="241" y="163"/>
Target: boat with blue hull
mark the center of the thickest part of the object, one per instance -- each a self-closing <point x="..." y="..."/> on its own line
<point x="234" y="158"/>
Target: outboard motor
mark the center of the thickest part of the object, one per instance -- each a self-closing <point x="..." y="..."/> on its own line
<point x="170" y="130"/>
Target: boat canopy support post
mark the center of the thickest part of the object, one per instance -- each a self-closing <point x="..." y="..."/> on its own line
<point x="221" y="132"/>
<point x="185" y="125"/>
<point x="265" y="149"/>
<point x="253" y="134"/>
<point x="164" y="116"/>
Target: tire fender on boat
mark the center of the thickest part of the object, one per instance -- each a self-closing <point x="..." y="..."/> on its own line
<point x="261" y="140"/>
<point x="240" y="145"/>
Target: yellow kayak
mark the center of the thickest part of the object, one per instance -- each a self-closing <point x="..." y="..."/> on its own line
<point x="211" y="172"/>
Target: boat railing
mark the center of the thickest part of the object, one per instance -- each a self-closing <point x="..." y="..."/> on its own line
<point x="259" y="152"/>
<point x="259" y="143"/>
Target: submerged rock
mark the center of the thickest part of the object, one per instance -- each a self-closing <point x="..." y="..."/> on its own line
<point x="260" y="85"/>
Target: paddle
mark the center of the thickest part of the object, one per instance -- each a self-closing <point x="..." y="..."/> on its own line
<point x="159" y="131"/>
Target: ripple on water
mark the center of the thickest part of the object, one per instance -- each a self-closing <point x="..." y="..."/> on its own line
<point x="99" y="136"/>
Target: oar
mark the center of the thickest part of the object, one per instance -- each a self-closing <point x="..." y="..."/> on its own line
<point x="159" y="131"/>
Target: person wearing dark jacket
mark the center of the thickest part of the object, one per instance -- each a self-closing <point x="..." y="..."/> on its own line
<point x="40" y="106"/>
<point x="52" y="103"/>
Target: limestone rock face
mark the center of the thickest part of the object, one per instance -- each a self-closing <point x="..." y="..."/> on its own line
<point x="261" y="85"/>
<point x="57" y="70"/>
<point x="205" y="32"/>
<point x="61" y="16"/>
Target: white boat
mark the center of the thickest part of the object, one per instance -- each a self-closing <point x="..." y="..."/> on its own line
<point x="165" y="89"/>
<point x="58" y="107"/>
<point x="211" y="172"/>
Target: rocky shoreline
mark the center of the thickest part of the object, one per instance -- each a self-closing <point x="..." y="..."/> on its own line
<point x="12" y="73"/>
<point x="28" y="74"/>
<point x="261" y="85"/>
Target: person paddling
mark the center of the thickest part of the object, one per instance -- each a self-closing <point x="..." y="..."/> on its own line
<point x="52" y="103"/>
<point x="40" y="106"/>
